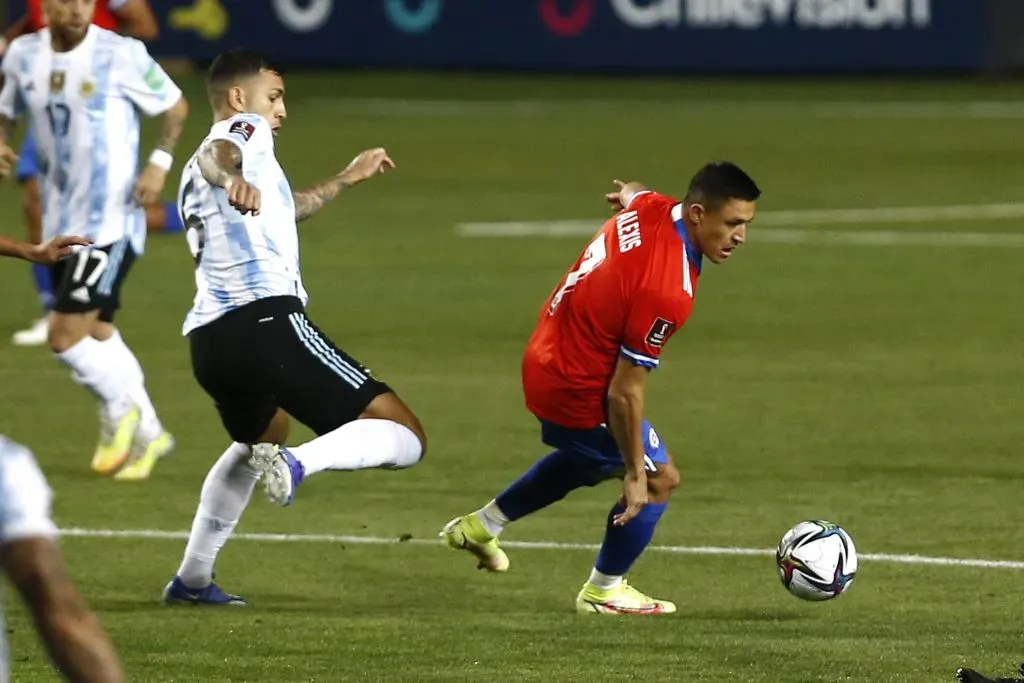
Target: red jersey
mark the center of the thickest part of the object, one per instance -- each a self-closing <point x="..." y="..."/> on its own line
<point x="104" y="17"/>
<point x="628" y="292"/>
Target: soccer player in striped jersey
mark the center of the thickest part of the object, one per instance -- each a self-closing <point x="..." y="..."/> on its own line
<point x="133" y="18"/>
<point x="585" y="371"/>
<point x="253" y="348"/>
<point x="84" y="88"/>
<point x="29" y="554"/>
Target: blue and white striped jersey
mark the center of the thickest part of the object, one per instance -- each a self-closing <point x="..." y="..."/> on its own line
<point x="25" y="500"/>
<point x="240" y="259"/>
<point x="84" y="108"/>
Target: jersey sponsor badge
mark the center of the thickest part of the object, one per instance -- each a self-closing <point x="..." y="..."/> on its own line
<point x="243" y="129"/>
<point x="88" y="89"/>
<point x="659" y="332"/>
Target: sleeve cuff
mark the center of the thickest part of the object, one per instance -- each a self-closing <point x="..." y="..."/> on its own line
<point x="638" y="358"/>
<point x="638" y="194"/>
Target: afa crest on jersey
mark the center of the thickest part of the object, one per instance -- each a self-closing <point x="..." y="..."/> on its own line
<point x="57" y="79"/>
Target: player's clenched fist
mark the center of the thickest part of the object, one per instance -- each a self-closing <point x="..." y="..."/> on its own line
<point x="243" y="196"/>
<point x="366" y="165"/>
<point x="149" y="185"/>
<point x="7" y="160"/>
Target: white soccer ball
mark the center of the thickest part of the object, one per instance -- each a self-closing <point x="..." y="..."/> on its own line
<point x="817" y="560"/>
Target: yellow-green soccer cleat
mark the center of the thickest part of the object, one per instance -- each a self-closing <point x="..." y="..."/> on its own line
<point x="144" y="458"/>
<point x="624" y="599"/>
<point x="115" y="444"/>
<point x="467" y="533"/>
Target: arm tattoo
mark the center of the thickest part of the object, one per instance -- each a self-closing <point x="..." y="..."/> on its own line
<point x="219" y="161"/>
<point x="174" y="124"/>
<point x="311" y="200"/>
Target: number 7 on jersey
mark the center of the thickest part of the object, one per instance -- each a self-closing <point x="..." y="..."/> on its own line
<point x="593" y="257"/>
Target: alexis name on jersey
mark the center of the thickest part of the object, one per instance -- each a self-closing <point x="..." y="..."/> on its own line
<point x="627" y="227"/>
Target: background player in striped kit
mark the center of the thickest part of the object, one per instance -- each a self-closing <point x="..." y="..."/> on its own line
<point x="83" y="88"/>
<point x="134" y="18"/>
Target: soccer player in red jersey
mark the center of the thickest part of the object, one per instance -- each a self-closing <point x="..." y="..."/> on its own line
<point x="585" y="373"/>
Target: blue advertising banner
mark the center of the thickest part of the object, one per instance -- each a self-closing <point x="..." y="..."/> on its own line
<point x="785" y="36"/>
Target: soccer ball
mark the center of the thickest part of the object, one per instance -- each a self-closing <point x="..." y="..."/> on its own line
<point x="817" y="560"/>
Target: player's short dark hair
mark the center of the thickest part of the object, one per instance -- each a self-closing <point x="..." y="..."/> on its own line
<point x="233" y="66"/>
<point x="719" y="182"/>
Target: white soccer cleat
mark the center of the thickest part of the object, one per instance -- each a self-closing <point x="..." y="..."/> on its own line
<point x="282" y="473"/>
<point x="36" y="335"/>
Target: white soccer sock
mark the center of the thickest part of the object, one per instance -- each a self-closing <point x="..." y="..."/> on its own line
<point x="604" y="581"/>
<point x="493" y="519"/>
<point x="360" y="445"/>
<point x="95" y="368"/>
<point x="225" y="495"/>
<point x="135" y="381"/>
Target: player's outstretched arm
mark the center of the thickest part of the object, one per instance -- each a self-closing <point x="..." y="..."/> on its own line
<point x="363" y="167"/>
<point x="46" y="253"/>
<point x="72" y="634"/>
<point x="625" y="421"/>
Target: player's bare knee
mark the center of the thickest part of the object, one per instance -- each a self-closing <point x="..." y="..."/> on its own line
<point x="277" y="430"/>
<point x="661" y="486"/>
<point x="66" y="331"/>
<point x="102" y="330"/>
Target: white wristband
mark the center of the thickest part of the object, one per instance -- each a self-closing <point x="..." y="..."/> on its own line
<point x="161" y="159"/>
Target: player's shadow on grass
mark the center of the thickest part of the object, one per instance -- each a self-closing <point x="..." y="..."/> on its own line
<point x="266" y="603"/>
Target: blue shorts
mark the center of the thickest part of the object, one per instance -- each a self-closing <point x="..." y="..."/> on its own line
<point x="599" y="447"/>
<point x="28" y="159"/>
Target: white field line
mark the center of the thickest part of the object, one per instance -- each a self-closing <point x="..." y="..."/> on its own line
<point x="814" y="217"/>
<point x="735" y="109"/>
<point x="526" y="545"/>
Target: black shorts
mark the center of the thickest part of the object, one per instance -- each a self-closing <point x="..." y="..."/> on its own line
<point x="268" y="355"/>
<point x="91" y="279"/>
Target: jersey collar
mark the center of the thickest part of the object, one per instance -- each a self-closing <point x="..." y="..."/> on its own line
<point x="692" y="254"/>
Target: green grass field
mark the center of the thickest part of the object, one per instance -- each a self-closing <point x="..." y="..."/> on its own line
<point x="880" y="387"/>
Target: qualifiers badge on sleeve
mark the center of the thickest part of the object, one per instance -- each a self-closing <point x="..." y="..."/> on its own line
<point x="243" y="129"/>
<point x="659" y="332"/>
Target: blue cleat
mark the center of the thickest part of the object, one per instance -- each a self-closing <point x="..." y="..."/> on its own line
<point x="177" y="593"/>
<point x="282" y="473"/>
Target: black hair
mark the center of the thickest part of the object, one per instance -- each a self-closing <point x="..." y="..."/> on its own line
<point x="718" y="182"/>
<point x="235" y="65"/>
